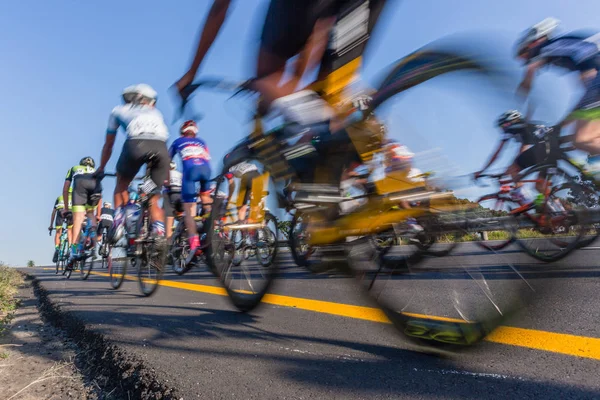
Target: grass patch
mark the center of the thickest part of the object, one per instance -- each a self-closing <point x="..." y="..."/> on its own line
<point x="10" y="279"/>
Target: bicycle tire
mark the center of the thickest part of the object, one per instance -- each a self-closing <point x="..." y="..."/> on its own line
<point x="564" y="249"/>
<point x="503" y="243"/>
<point x="299" y="257"/>
<point x="86" y="266"/>
<point x="218" y="253"/>
<point x="273" y="244"/>
<point x="116" y="273"/>
<point x="412" y="70"/>
<point x="150" y="258"/>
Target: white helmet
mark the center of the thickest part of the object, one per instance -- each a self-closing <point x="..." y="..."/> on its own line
<point x="135" y="92"/>
<point x="146" y="91"/>
<point x="537" y="31"/>
<point x="129" y="94"/>
<point x="510" y="117"/>
<point x="106" y="205"/>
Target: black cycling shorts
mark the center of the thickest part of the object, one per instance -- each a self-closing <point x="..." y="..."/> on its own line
<point x="58" y="220"/>
<point x="87" y="192"/>
<point x="289" y="24"/>
<point x="532" y="156"/>
<point x="137" y="152"/>
<point x="172" y="203"/>
<point x="104" y="224"/>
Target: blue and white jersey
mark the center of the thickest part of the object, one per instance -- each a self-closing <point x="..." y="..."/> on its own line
<point x="139" y="121"/>
<point x="574" y="51"/>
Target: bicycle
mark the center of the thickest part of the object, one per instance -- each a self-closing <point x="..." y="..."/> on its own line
<point x="375" y="271"/>
<point x="555" y="228"/>
<point x="63" y="249"/>
<point x="86" y="244"/>
<point x="149" y="256"/>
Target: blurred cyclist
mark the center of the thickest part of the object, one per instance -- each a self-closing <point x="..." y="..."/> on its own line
<point x="532" y="138"/>
<point x="540" y="46"/>
<point x="87" y="193"/>
<point x="196" y="170"/>
<point x="172" y="198"/>
<point x="300" y="28"/>
<point x="147" y="134"/>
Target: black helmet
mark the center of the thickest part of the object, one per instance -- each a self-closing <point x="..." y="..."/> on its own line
<point x="88" y="162"/>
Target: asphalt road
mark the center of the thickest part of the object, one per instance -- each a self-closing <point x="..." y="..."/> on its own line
<point x="334" y="348"/>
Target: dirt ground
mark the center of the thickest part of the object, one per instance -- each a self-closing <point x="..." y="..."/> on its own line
<point x="36" y="360"/>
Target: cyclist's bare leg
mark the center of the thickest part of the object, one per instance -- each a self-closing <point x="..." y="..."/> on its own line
<point x="156" y="212"/>
<point x="587" y="136"/>
<point x="70" y="235"/>
<point x="189" y="212"/>
<point x="242" y="212"/>
<point x="78" y="217"/>
<point x="206" y="203"/>
<point x="57" y="237"/>
<point x="513" y="172"/>
<point x="121" y="196"/>
<point x="169" y="229"/>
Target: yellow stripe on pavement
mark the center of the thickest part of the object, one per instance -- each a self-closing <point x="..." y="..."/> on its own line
<point x="572" y="345"/>
<point x="562" y="343"/>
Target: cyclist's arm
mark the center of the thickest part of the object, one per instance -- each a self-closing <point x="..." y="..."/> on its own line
<point x="311" y="55"/>
<point x="494" y="156"/>
<point x="99" y="209"/>
<point x="109" y="142"/>
<point x="524" y="87"/>
<point x="66" y="187"/>
<point x="52" y="217"/>
<point x="212" y="26"/>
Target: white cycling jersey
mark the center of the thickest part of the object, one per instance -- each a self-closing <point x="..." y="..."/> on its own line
<point x="242" y="168"/>
<point x="139" y="121"/>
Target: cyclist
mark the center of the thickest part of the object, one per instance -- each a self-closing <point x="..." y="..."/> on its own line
<point x="106" y="218"/>
<point x="245" y="172"/>
<point x="172" y="199"/>
<point x="147" y="134"/>
<point x="58" y="220"/>
<point x="87" y="192"/>
<point x="540" y="46"/>
<point x="304" y="29"/>
<point x="196" y="169"/>
<point x="532" y="138"/>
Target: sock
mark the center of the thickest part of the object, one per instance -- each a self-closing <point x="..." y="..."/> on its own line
<point x="194" y="241"/>
<point x="159" y="228"/>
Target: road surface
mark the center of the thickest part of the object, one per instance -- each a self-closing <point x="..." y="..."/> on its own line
<point x="299" y="349"/>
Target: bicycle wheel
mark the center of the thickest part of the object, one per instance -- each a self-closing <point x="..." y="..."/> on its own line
<point x="117" y="264"/>
<point x="248" y="282"/>
<point x="150" y="268"/>
<point x="85" y="267"/>
<point x="433" y="300"/>
<point x="299" y="247"/>
<point x="552" y="229"/>
<point x="491" y="206"/>
<point x="266" y="245"/>
<point x="179" y="251"/>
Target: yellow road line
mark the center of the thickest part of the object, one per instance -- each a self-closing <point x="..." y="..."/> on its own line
<point x="579" y="346"/>
<point x="562" y="343"/>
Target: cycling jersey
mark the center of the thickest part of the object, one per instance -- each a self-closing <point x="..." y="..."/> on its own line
<point x="79" y="170"/>
<point x="139" y="121"/>
<point x="59" y="204"/>
<point x="192" y="150"/>
<point x="242" y="169"/>
<point x="174" y="183"/>
<point x="527" y="134"/>
<point x="575" y="52"/>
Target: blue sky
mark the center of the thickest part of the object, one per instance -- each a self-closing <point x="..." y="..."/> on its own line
<point x="65" y="63"/>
